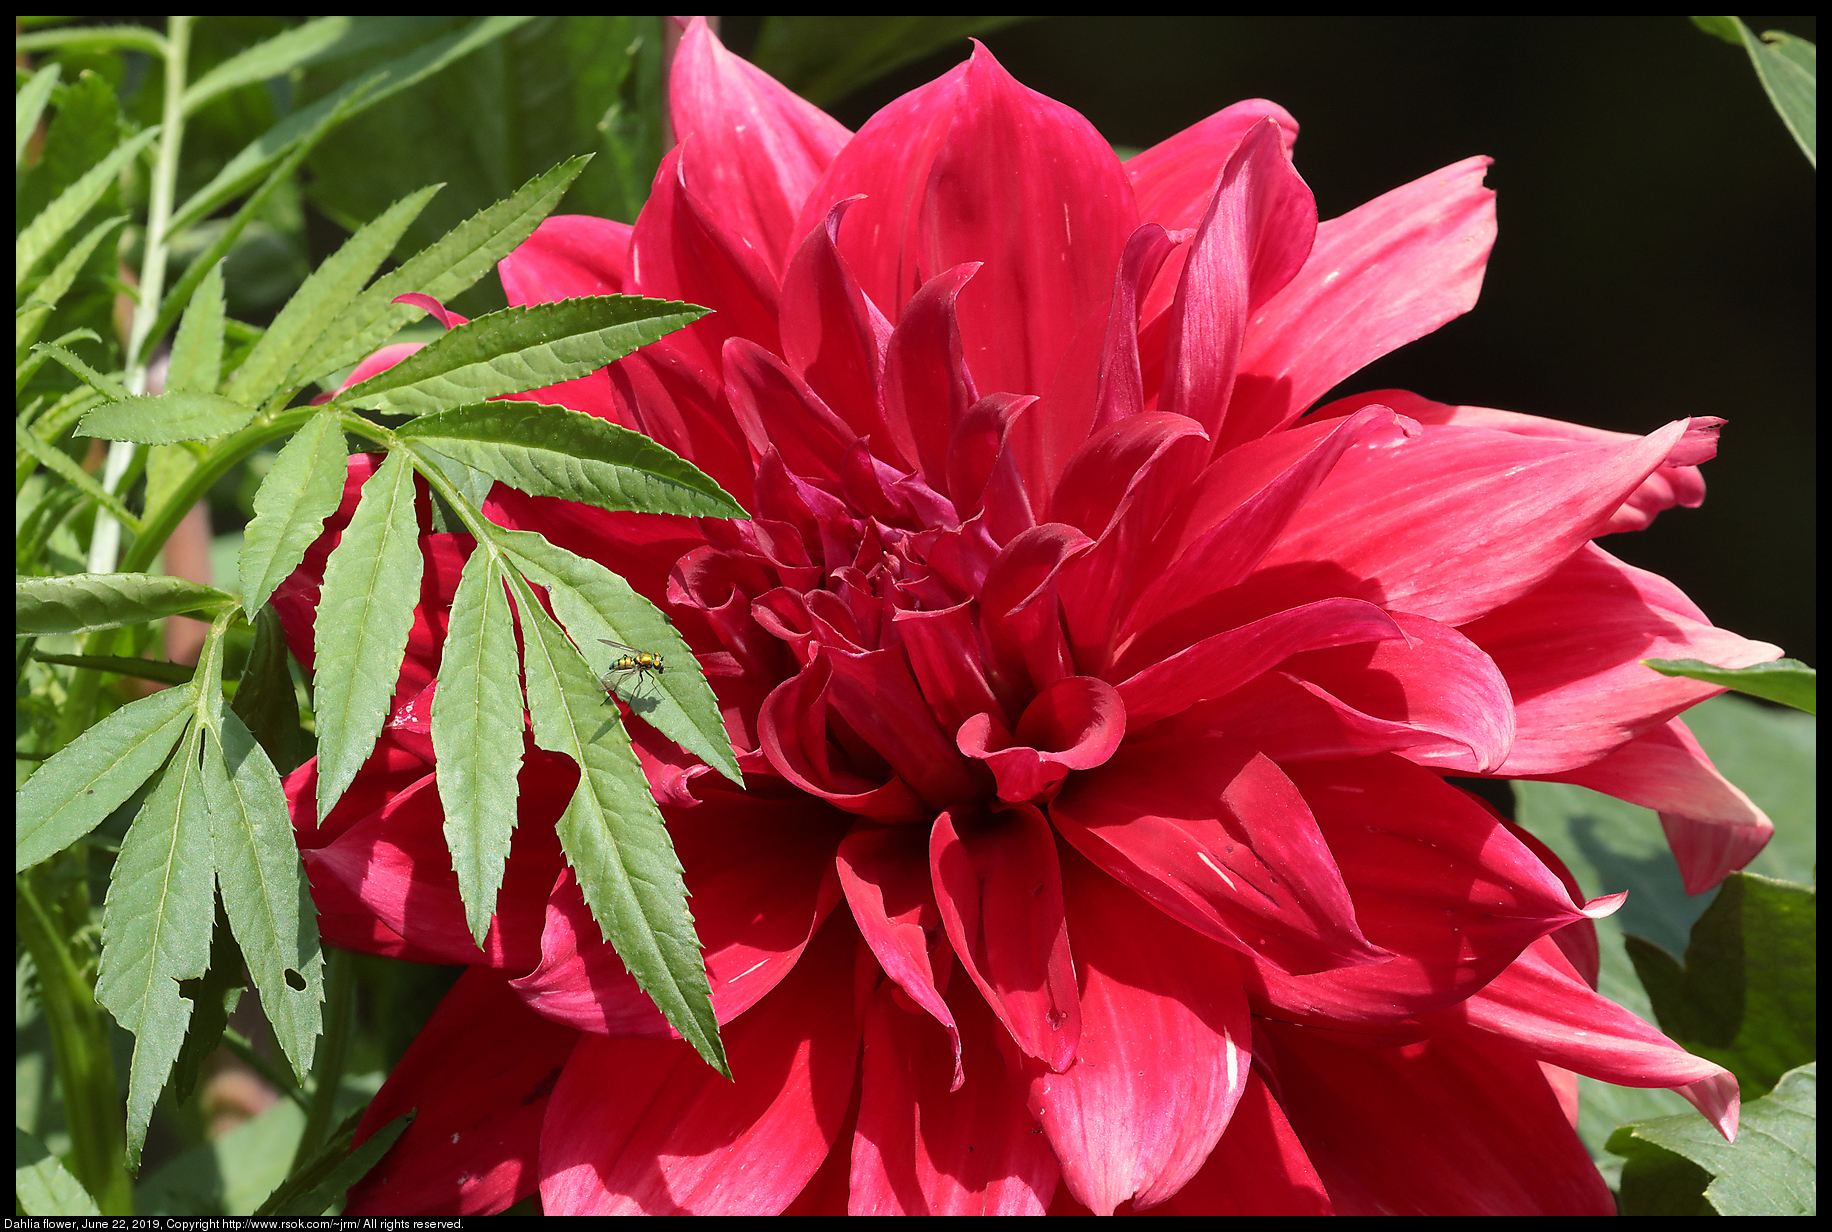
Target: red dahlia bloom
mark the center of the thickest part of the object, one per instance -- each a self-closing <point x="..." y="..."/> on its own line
<point x="1094" y="692"/>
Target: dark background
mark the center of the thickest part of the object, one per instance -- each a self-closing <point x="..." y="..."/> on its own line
<point x="1656" y="246"/>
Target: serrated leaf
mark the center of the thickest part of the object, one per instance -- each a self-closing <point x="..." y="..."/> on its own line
<point x="301" y="490"/>
<point x="466" y="253"/>
<point x="197" y="351"/>
<point x="265" y="701"/>
<point x="552" y="451"/>
<point x="320" y="299"/>
<point x="29" y="106"/>
<point x="1747" y="994"/>
<point x="372" y="87"/>
<point x="108" y="387"/>
<point x="156" y="928"/>
<point x="263" y="888"/>
<point x="518" y="349"/>
<point x="166" y="419"/>
<point x="93" y="775"/>
<point x="56" y="220"/>
<point x="142" y="669"/>
<point x="88" y="602"/>
<point x="42" y="1185"/>
<point x="56" y="284"/>
<point x="477" y="736"/>
<point x="64" y="467"/>
<point x="365" y="611"/>
<point x="1771" y="1169"/>
<point x="1788" y="681"/>
<point x="613" y="836"/>
<point x="593" y="603"/>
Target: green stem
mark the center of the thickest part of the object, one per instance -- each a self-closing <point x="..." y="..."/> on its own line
<point x="327" y="1070"/>
<point x="79" y="1032"/>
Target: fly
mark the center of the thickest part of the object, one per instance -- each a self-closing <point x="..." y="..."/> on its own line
<point x="632" y="662"/>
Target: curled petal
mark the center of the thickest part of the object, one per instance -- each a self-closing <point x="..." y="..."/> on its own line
<point x="1075" y="724"/>
<point x="925" y="372"/>
<point x="833" y="335"/>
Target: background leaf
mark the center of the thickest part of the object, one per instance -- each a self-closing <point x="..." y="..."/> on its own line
<point x="91" y="601"/>
<point x="824" y="59"/>
<point x="42" y="1185"/>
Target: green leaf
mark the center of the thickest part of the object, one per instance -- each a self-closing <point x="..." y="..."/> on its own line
<point x="477" y="736"/>
<point x="56" y="284"/>
<point x="30" y="365"/>
<point x="1788" y="681"/>
<point x="142" y="669"/>
<point x="315" y="41"/>
<point x="1788" y="68"/>
<point x="613" y="836"/>
<point x="553" y="451"/>
<point x="1771" y="1169"/>
<point x="65" y="467"/>
<point x="335" y="1167"/>
<point x="93" y="775"/>
<point x="828" y="57"/>
<point x="521" y="348"/>
<point x="29" y="106"/>
<point x="197" y="351"/>
<point x="136" y="37"/>
<point x="365" y="610"/>
<point x="156" y="928"/>
<point x="372" y="87"/>
<point x="263" y="888"/>
<point x="301" y="490"/>
<point x="56" y="219"/>
<point x="265" y="700"/>
<point x="324" y="295"/>
<point x="1727" y="28"/>
<point x="593" y="603"/>
<point x="165" y="419"/>
<point x="1747" y="994"/>
<point x="88" y="602"/>
<point x="41" y="1184"/>
<point x="465" y="254"/>
<point x="108" y="387"/>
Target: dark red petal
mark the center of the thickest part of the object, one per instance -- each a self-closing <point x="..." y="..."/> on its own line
<point x="1075" y="724"/>
<point x="1258" y="1168"/>
<point x="1163" y="1057"/>
<point x="923" y="1148"/>
<point x="1216" y="836"/>
<point x="999" y="888"/>
<point x="647" y="1127"/>
<point x="1018" y="606"/>
<point x="477" y="1077"/>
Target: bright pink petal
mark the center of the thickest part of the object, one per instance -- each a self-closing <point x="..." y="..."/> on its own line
<point x="1218" y="838"/>
<point x="756" y="148"/>
<point x="1571" y="650"/>
<point x="1254" y="238"/>
<point x="1175" y="179"/>
<point x="646" y="1127"/>
<point x="1458" y="521"/>
<point x="1380" y="276"/>
<point x="925" y="1149"/>
<point x="567" y="256"/>
<point x="1541" y="1005"/>
<point x="1712" y="827"/>
<point x="477" y="1078"/>
<point x="1436" y="879"/>
<point x="999" y="887"/>
<point x="1019" y="610"/>
<point x="834" y="335"/>
<point x="1163" y="1056"/>
<point x="1444" y="1126"/>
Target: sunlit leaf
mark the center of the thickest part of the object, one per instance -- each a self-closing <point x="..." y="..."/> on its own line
<point x="301" y="490"/>
<point x="1788" y="681"/>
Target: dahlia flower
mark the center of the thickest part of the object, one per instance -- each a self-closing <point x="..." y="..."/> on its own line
<point x="1095" y="692"/>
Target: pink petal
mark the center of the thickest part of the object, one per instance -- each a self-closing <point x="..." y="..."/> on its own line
<point x="874" y="692"/>
<point x="1541" y="1005"/>
<point x="1106" y="473"/>
<point x="567" y="256"/>
<point x="924" y="1149"/>
<point x="1436" y="879"/>
<point x="433" y="307"/>
<point x="881" y="870"/>
<point x="759" y="877"/>
<point x="1175" y="179"/>
<point x="925" y="375"/>
<point x="1380" y="276"/>
<point x="646" y="1127"/>
<point x="756" y="148"/>
<point x="1572" y="648"/>
<point x="1218" y="838"/>
<point x="1712" y="827"/>
<point x="477" y="1077"/>
<point x="1457" y="522"/>
<point x="1163" y="1055"/>
<point x="1444" y="1126"/>
<point x="1122" y="382"/>
<point x="834" y="335"/>
<point x="999" y="888"/>
<point x="1254" y="238"/>
<point x="774" y="406"/>
<point x="792" y="733"/>
<point x="1220" y="664"/>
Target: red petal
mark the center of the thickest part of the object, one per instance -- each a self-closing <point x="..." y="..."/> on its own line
<point x="1218" y="838"/>
<point x="567" y="256"/>
<point x="1258" y="1168"/>
<point x="775" y="407"/>
<point x="1163" y="1055"/>
<point x="477" y="1077"/>
<point x="999" y="888"/>
<point x="1075" y="724"/>
<point x="1019" y="610"/>
<point x="925" y="374"/>
<point x="835" y="336"/>
<point x="647" y="1127"/>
